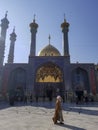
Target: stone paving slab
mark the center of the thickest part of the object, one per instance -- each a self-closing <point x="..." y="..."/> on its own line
<point x="39" y="117"/>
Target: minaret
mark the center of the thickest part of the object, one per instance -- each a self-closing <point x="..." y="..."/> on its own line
<point x="33" y="30"/>
<point x="12" y="44"/>
<point x="65" y="29"/>
<point x="4" y="26"/>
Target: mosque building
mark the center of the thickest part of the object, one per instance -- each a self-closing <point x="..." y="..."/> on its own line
<point x="48" y="73"/>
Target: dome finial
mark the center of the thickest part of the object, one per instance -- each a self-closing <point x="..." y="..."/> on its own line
<point x="49" y="38"/>
<point x="14" y="29"/>
<point x="34" y="18"/>
<point x="6" y="14"/>
<point x="64" y="17"/>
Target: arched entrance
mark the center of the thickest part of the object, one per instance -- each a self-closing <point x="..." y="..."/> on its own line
<point x="17" y="83"/>
<point x="49" y="79"/>
<point x="80" y="79"/>
<point x="80" y="83"/>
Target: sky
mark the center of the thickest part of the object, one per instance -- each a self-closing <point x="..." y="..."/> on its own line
<point x="82" y="15"/>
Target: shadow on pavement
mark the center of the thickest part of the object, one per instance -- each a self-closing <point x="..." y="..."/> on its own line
<point x="81" y="109"/>
<point x="70" y="127"/>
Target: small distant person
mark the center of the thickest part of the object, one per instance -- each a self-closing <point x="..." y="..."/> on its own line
<point x="31" y="98"/>
<point x="36" y="97"/>
<point x="58" y="116"/>
<point x="11" y="100"/>
<point x="25" y="99"/>
<point x="86" y="99"/>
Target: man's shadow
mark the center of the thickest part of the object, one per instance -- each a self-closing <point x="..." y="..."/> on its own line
<point x="70" y="126"/>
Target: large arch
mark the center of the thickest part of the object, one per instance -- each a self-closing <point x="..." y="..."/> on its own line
<point x="49" y="72"/>
<point x="49" y="76"/>
<point x="80" y="79"/>
<point x="17" y="82"/>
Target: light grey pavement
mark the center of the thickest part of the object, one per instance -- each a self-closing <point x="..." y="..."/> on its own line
<point x="39" y="117"/>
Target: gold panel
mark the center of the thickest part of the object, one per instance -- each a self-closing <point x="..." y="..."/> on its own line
<point x="49" y="73"/>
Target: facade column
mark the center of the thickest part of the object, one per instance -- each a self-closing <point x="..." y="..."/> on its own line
<point x="12" y="44"/>
<point x="4" y="26"/>
<point x="33" y="29"/>
<point x="65" y="29"/>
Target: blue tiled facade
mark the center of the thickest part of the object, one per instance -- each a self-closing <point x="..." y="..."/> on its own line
<point x="22" y="77"/>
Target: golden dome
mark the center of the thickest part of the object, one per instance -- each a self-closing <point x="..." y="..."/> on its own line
<point x="49" y="50"/>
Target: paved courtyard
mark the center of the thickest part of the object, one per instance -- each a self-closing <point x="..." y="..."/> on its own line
<point x="38" y="116"/>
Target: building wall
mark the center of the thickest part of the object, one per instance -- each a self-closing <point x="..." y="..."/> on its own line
<point x="17" y="75"/>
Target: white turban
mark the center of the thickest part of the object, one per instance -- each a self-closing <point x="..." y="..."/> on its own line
<point x="59" y="97"/>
